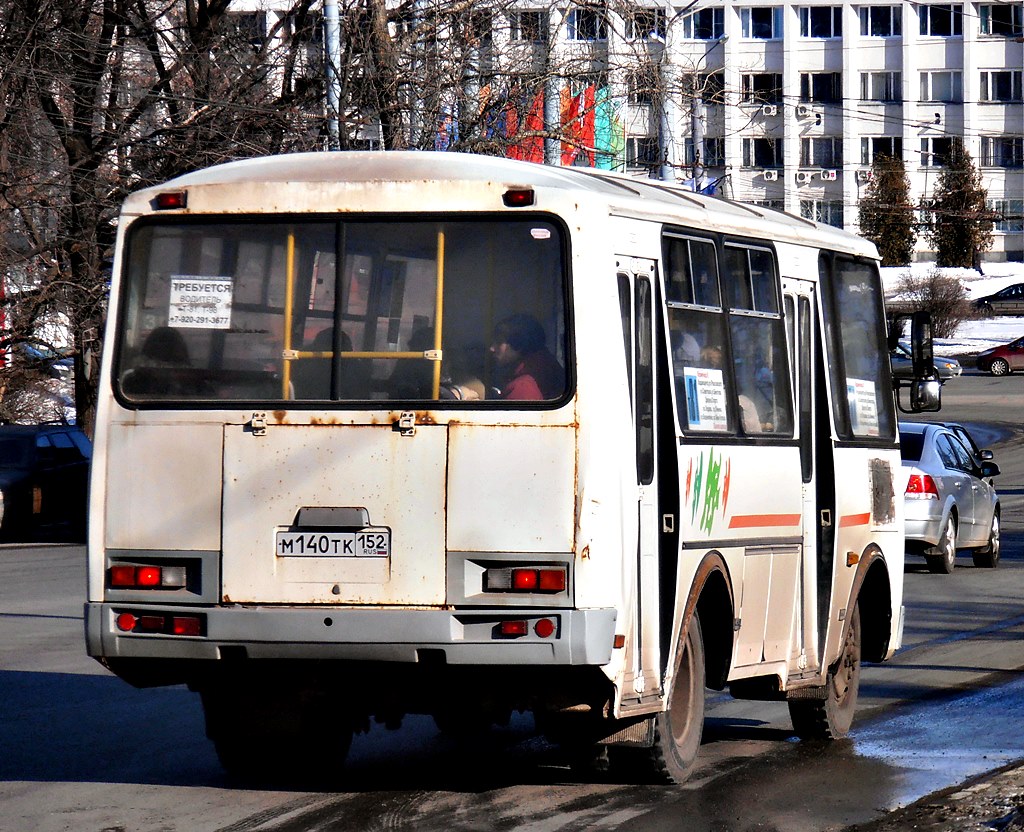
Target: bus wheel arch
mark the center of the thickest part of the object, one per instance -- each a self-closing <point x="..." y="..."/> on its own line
<point x="873" y="595"/>
<point x="713" y="603"/>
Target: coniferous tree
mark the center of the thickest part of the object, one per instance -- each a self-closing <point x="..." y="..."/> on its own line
<point x="960" y="225"/>
<point x="886" y="215"/>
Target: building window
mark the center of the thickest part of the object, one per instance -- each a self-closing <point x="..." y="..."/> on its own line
<point x="881" y="86"/>
<point x="1001" y="85"/>
<point x="935" y="151"/>
<point x="645" y="24"/>
<point x="247" y="26"/>
<point x="479" y="26"/>
<point x="761" y="23"/>
<point x="881" y="21"/>
<point x="1004" y="19"/>
<point x="1010" y="213"/>
<point x="823" y="87"/>
<point x="773" y="204"/>
<point x="942" y="86"/>
<point x="821" y="21"/>
<point x="642" y="85"/>
<point x="821" y="152"/>
<point x="942" y="20"/>
<point x="762" y="87"/>
<point x="704" y="24"/>
<point x="641" y="152"/>
<point x="762" y="153"/>
<point x="829" y="212"/>
<point x="530" y="26"/>
<point x="707" y="86"/>
<point x="587" y="25"/>
<point x="1002" y="151"/>
<point x="872" y="146"/>
<point x="713" y="155"/>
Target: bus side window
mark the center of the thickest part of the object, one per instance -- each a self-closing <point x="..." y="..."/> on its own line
<point x="760" y="357"/>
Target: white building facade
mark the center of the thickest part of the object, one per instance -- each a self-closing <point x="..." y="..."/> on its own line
<point x="788" y="102"/>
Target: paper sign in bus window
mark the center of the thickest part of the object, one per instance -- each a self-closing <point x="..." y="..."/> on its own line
<point x="863" y="407"/>
<point x="705" y="399"/>
<point x="200" y="302"/>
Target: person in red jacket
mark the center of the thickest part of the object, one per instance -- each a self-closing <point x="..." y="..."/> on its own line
<point x="519" y="348"/>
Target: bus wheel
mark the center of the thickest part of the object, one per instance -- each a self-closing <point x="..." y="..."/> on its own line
<point x="830" y="718"/>
<point x="275" y="739"/>
<point x="677" y="730"/>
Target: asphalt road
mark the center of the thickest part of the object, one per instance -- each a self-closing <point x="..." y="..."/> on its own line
<point x="80" y="750"/>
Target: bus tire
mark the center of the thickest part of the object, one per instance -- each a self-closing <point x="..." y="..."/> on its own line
<point x="275" y="740"/>
<point x="678" y="730"/>
<point x="830" y="718"/>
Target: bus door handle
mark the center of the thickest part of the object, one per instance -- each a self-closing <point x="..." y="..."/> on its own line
<point x="668" y="523"/>
<point x="258" y="424"/>
<point x="826" y="518"/>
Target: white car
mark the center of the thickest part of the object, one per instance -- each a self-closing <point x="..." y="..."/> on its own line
<point x="950" y="501"/>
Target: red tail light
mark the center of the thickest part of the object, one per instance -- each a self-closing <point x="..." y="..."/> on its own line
<point x="526" y="579"/>
<point x="513" y="628"/>
<point x="922" y="487"/>
<point x="122" y="576"/>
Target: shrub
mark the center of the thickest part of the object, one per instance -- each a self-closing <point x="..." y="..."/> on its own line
<point x="940" y="294"/>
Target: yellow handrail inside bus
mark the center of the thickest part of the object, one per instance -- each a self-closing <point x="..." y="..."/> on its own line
<point x="435" y="388"/>
<point x="289" y="311"/>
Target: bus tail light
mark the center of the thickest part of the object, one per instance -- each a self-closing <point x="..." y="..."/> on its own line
<point x="513" y="628"/>
<point x="526" y="579"/>
<point x="178" y="625"/>
<point x="124" y="576"/>
<point x="922" y="487"/>
<point x="170" y="200"/>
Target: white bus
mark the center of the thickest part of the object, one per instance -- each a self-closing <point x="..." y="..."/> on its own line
<point x="390" y="433"/>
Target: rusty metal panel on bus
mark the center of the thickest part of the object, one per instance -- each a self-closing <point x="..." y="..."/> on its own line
<point x="399" y="480"/>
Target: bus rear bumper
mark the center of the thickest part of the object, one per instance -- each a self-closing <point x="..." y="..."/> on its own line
<point x="578" y="637"/>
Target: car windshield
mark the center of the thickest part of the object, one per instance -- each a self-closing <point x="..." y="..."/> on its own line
<point x="911" y="445"/>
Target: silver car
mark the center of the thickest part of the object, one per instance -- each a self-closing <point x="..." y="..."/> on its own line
<point x="950" y="501"/>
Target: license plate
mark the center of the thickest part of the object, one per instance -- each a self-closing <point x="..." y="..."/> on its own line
<point x="365" y="543"/>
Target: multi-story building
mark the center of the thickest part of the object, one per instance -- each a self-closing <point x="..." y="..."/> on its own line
<point x="776" y="102"/>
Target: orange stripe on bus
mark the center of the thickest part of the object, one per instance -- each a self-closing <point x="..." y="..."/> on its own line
<point x="749" y="521"/>
<point x="854" y="520"/>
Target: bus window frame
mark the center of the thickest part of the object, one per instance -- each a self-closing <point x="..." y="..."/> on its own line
<point x="568" y="337"/>
<point x="735" y="433"/>
<point x="837" y="357"/>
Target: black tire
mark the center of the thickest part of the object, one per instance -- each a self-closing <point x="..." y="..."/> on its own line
<point x="1000" y="367"/>
<point x="272" y="739"/>
<point x="678" y="730"/>
<point x="830" y="718"/>
<point x="942" y="557"/>
<point x="987" y="557"/>
<point x="985" y="310"/>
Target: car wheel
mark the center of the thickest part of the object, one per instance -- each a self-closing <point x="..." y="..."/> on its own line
<point x="985" y="310"/>
<point x="942" y="556"/>
<point x="1000" y="367"/>
<point x="988" y="556"/>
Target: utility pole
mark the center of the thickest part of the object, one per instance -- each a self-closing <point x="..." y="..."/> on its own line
<point x="332" y="59"/>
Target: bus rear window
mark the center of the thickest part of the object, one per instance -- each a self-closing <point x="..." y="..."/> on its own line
<point x="391" y="311"/>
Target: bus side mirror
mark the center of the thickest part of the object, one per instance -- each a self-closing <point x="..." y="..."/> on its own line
<point x="925" y="395"/>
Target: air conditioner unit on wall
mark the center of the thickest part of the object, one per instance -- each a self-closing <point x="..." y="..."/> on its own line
<point x="803" y="177"/>
<point x="769" y="110"/>
<point x="803" y="111"/>
<point x="828" y="175"/>
<point x="865" y="175"/>
<point x="770" y="175"/>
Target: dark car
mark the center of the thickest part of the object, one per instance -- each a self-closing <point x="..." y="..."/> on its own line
<point x="44" y="480"/>
<point x="1008" y="301"/>
<point x="902" y="364"/>
<point x="1002" y="360"/>
<point x="949" y="501"/>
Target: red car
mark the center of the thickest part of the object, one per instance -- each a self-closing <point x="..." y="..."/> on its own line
<point x="1001" y="361"/>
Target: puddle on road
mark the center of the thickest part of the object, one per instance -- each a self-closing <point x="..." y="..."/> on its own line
<point x="941" y="743"/>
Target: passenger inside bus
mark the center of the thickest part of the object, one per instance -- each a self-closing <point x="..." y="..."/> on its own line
<point x="519" y="350"/>
<point x="157" y="370"/>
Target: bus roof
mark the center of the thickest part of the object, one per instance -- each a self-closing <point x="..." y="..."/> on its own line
<point x="622" y="193"/>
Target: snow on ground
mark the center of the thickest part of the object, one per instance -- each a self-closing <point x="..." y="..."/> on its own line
<point x="972" y="336"/>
